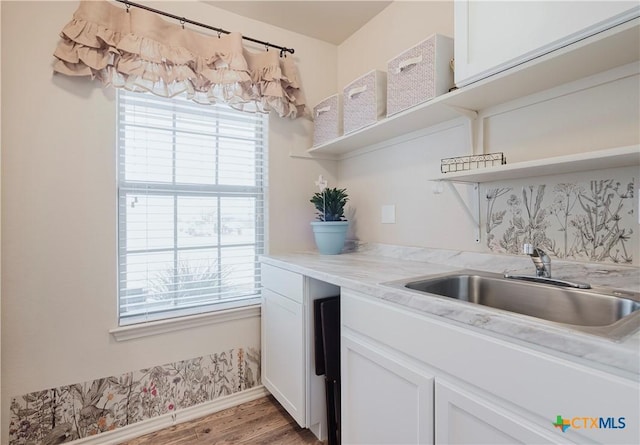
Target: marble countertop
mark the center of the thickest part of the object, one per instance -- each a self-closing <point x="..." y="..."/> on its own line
<point x="370" y="270"/>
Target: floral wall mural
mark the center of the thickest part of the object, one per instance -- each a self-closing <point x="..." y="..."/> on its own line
<point x="585" y="220"/>
<point x="63" y="414"/>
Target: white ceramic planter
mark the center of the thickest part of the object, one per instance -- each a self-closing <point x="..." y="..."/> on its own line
<point x="330" y="236"/>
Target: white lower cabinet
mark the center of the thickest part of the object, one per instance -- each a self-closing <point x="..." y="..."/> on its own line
<point x="283" y="372"/>
<point x="387" y="400"/>
<point x="384" y="400"/>
<point x="487" y="390"/>
<point x="409" y="378"/>
<point x="464" y="418"/>
<point x="288" y="367"/>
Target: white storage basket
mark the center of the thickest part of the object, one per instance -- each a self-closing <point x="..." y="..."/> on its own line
<point x="419" y="74"/>
<point x="327" y="120"/>
<point x="364" y="100"/>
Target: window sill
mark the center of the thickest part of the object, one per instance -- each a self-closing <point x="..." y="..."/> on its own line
<point x="125" y="333"/>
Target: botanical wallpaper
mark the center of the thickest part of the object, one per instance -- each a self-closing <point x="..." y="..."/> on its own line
<point x="591" y="220"/>
<point x="71" y="412"/>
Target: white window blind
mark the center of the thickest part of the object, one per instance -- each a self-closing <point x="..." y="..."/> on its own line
<point x="191" y="206"/>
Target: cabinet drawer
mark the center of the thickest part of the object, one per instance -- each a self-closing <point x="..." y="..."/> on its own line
<point x="284" y="282"/>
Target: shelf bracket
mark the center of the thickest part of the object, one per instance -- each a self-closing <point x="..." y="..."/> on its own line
<point x="471" y="205"/>
<point x="469" y="114"/>
<point x="303" y="154"/>
<point x="472" y="116"/>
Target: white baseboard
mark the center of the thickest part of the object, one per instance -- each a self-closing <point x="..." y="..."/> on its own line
<point x="167" y="420"/>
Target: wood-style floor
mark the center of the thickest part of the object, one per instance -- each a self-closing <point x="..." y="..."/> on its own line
<point x="261" y="421"/>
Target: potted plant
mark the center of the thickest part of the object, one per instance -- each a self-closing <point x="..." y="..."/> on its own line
<point x="330" y="229"/>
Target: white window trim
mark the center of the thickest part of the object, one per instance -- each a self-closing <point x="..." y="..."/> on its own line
<point x="151" y="328"/>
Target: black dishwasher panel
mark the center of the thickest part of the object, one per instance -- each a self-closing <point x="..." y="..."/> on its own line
<point x="326" y="316"/>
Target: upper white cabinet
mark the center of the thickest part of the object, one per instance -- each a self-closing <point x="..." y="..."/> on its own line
<point x="492" y="36"/>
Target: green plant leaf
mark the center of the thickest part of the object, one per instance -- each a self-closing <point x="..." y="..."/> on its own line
<point x="330" y="204"/>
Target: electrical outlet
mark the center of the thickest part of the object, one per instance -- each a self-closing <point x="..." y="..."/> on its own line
<point x="388" y="214"/>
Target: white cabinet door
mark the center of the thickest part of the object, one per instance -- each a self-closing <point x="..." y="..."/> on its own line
<point x="465" y="418"/>
<point x="384" y="401"/>
<point x="288" y="368"/>
<point x="283" y="352"/>
<point x="491" y="36"/>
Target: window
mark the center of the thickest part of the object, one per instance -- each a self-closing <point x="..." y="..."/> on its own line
<point x="191" y="206"/>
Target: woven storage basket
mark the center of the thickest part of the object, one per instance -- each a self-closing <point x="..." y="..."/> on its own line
<point x="327" y="120"/>
<point x="364" y="100"/>
<point x="419" y="74"/>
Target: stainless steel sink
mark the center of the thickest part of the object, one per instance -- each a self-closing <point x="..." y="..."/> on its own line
<point x="600" y="311"/>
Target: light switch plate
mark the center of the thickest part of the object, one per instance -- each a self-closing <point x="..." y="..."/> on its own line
<point x="388" y="214"/>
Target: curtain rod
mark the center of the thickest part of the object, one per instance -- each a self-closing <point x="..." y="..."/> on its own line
<point x="183" y="20"/>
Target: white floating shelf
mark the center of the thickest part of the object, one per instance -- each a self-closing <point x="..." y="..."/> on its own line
<point x="595" y="160"/>
<point x="609" y="49"/>
<point x="421" y="116"/>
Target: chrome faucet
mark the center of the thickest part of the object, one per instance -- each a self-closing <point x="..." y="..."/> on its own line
<point x="543" y="270"/>
<point x="540" y="259"/>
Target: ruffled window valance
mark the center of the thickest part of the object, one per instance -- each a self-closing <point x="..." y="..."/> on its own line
<point x="138" y="50"/>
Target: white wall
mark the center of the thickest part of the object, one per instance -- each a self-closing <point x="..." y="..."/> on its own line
<point x="397" y="174"/>
<point x="59" y="207"/>
<point x="398" y="27"/>
<point x="589" y="116"/>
